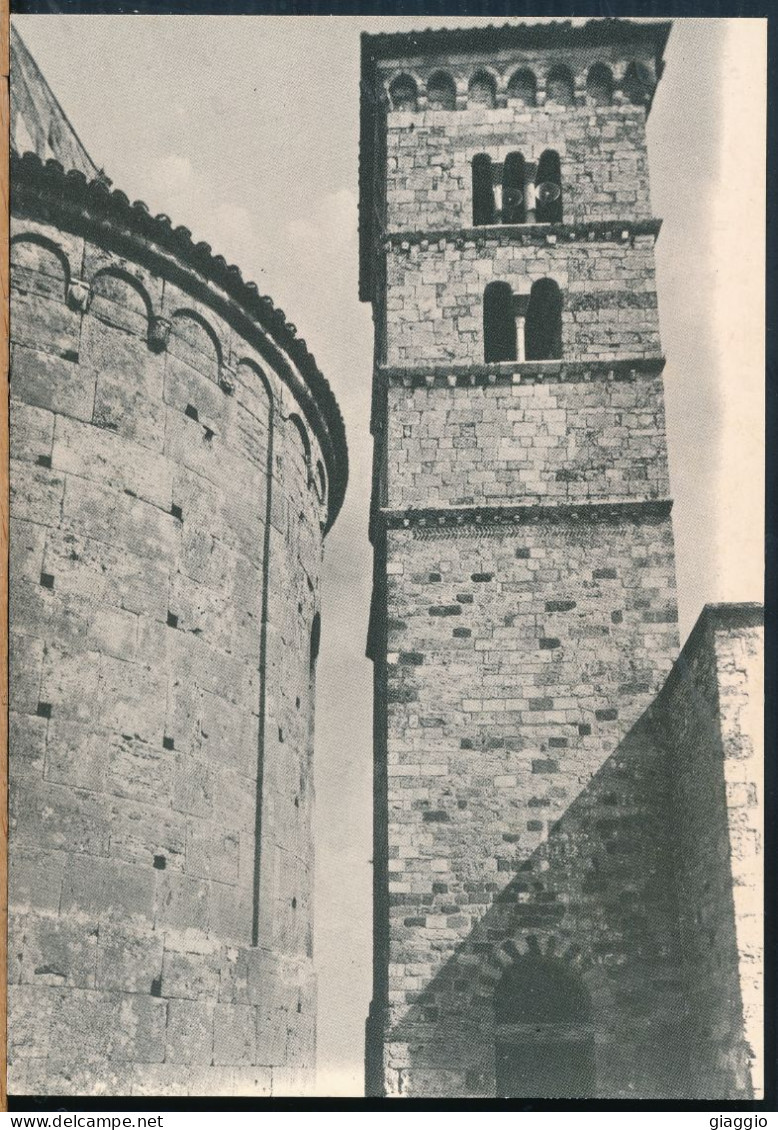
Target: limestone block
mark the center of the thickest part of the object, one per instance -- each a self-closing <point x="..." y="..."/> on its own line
<point x="190" y="1032"/>
<point x="234" y="1034"/>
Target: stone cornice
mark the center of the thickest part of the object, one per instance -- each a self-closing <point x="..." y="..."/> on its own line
<point x="46" y="191"/>
<point x="592" y="231"/>
<point x="473" y="517"/>
<point x="506" y="373"/>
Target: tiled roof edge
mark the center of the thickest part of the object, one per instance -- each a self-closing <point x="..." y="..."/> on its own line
<point x="32" y="179"/>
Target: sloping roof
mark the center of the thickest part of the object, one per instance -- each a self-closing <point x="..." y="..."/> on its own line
<point x="38" y="122"/>
<point x="526" y="35"/>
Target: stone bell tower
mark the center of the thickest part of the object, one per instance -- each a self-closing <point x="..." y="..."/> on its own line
<point x="524" y="612"/>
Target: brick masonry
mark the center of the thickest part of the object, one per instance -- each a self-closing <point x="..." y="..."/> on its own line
<point x="529" y="784"/>
<point x="168" y="502"/>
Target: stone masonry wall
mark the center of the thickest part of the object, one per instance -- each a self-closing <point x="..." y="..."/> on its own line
<point x="139" y="484"/>
<point x="434" y="306"/>
<point x="711" y="715"/>
<point x="542" y="819"/>
<point x="525" y="804"/>
<point x="534" y="441"/>
<point x="429" y="160"/>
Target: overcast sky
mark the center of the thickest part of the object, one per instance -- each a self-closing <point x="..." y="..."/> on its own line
<point x="245" y="129"/>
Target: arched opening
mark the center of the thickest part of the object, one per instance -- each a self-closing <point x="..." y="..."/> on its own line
<point x="441" y="92"/>
<point x="544" y="1039"/>
<point x="403" y="93"/>
<point x="499" y="323"/>
<point x="560" y="88"/>
<point x="483" y="190"/>
<point x="193" y="341"/>
<point x="543" y="325"/>
<point x="121" y="301"/>
<point x="638" y="84"/>
<point x="523" y="88"/>
<point x="599" y="84"/>
<point x="548" y="189"/>
<point x="482" y="90"/>
<point x="514" y="199"/>
<point x="39" y="266"/>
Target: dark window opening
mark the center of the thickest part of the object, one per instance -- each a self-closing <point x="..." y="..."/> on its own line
<point x="548" y="189"/>
<point x="599" y="84"/>
<point x="482" y="90"/>
<point x="483" y="190"/>
<point x="499" y="323"/>
<point x="560" y="88"/>
<point x="514" y="200"/>
<point x="403" y="93"/>
<point x="523" y="88"/>
<point x="543" y="326"/>
<point x="441" y="92"/>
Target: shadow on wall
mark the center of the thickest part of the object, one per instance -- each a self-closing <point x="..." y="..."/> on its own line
<point x="573" y="983"/>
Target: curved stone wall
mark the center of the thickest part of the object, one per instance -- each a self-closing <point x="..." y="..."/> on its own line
<point x="174" y="468"/>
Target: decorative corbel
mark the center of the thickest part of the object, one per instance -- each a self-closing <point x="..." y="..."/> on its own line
<point x="159" y="333"/>
<point x="79" y="295"/>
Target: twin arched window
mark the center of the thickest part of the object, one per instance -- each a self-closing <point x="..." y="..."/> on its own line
<point x="527" y="194"/>
<point x="523" y="327"/>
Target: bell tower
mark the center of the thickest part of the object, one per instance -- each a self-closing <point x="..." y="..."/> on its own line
<point x="524" y="612"/>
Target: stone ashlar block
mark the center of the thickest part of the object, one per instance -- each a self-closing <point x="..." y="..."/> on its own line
<point x="59" y="953"/>
<point x="190" y="976"/>
<point x="126" y="961"/>
<point x="189" y="1037"/>
<point x="234" y="1034"/>
<point x="140" y="1035"/>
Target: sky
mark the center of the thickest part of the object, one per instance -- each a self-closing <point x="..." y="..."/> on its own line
<point x="245" y="130"/>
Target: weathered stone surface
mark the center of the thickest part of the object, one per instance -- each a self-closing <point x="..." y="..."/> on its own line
<point x="140" y="496"/>
<point x="190" y="1032"/>
<point x="526" y="444"/>
<point x="545" y="825"/>
<point x="435" y="313"/>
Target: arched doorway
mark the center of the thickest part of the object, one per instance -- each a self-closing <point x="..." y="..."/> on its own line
<point x="544" y="1039"/>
